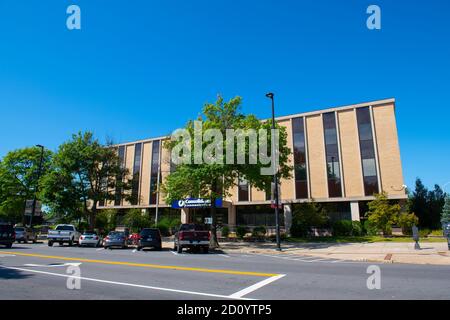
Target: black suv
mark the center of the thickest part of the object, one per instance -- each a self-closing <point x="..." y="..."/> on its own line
<point x="149" y="238"/>
<point x="7" y="234"/>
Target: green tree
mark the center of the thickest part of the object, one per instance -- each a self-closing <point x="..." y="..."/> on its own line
<point x="382" y="214"/>
<point x="85" y="173"/>
<point x="419" y="204"/>
<point x="305" y="216"/>
<point x="214" y="180"/>
<point x="18" y="180"/>
<point x="136" y="220"/>
<point x="406" y="221"/>
<point x="445" y="214"/>
<point x="436" y="200"/>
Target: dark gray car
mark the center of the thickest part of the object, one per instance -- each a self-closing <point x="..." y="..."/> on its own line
<point x="149" y="237"/>
<point x="116" y="239"/>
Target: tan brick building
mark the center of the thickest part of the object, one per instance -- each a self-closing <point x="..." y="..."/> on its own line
<point x="341" y="156"/>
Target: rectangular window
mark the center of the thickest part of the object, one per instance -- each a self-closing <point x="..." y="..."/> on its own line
<point x="367" y="147"/>
<point x="136" y="174"/>
<point x="332" y="155"/>
<point x="301" y="177"/>
<point x="243" y="190"/>
<point x="119" y="179"/>
<point x="154" y="171"/>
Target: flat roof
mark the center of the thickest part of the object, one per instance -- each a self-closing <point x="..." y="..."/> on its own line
<point x="295" y="115"/>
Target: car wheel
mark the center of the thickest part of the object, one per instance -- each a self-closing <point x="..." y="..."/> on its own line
<point x="139" y="248"/>
<point x="70" y="243"/>
<point x="34" y="240"/>
<point x="159" y="248"/>
<point x="9" y="245"/>
<point x="105" y="247"/>
<point x="174" y="246"/>
<point x="179" y="249"/>
<point x="61" y="244"/>
<point x="205" y="249"/>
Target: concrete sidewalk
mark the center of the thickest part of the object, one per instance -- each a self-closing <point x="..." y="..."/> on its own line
<point x="387" y="252"/>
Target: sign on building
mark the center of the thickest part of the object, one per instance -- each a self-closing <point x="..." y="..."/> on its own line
<point x="195" y="203"/>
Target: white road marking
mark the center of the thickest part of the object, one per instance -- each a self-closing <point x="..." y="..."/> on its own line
<point x="134" y="250"/>
<point x="99" y="249"/>
<point x="53" y="265"/>
<point x="256" y="286"/>
<point x="224" y="255"/>
<point x="7" y="255"/>
<point x="174" y="252"/>
<point x="234" y="296"/>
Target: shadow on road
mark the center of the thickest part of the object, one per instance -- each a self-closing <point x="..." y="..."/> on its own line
<point x="9" y="274"/>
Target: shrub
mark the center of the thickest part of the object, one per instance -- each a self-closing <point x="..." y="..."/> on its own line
<point x="259" y="232"/>
<point x="241" y="231"/>
<point x="382" y="213"/>
<point x="423" y="233"/>
<point x="305" y="216"/>
<point x="357" y="229"/>
<point x="342" y="228"/>
<point x="406" y="222"/>
<point x="225" y="231"/>
<point x="369" y="228"/>
<point x="136" y="220"/>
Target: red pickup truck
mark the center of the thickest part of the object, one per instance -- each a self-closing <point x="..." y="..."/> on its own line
<point x="192" y="236"/>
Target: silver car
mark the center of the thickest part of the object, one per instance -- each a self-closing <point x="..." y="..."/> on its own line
<point x="90" y="238"/>
<point x="24" y="234"/>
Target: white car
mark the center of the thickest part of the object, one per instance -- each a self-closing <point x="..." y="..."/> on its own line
<point x="63" y="233"/>
<point x="90" y="238"/>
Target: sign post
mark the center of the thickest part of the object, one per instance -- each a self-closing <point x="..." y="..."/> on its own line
<point x="415" y="232"/>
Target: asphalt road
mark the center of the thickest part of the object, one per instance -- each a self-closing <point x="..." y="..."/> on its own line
<point x="36" y="271"/>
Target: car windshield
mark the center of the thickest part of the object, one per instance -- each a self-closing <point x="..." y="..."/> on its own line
<point x="64" y="228"/>
<point x="20" y="229"/>
<point x="149" y="232"/>
<point x="89" y="233"/>
<point x="116" y="234"/>
<point x="192" y="227"/>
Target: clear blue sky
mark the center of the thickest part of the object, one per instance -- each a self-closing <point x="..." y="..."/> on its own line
<point x="140" y="69"/>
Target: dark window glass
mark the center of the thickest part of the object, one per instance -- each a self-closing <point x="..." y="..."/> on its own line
<point x="366" y="145"/>
<point x="332" y="155"/>
<point x="243" y="190"/>
<point x="257" y="216"/>
<point x="154" y="171"/>
<point x="118" y="198"/>
<point x="301" y="178"/>
<point x="136" y="174"/>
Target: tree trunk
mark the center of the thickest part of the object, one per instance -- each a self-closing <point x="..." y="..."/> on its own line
<point x="92" y="215"/>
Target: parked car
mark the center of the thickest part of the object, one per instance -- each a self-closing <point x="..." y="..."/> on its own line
<point x="24" y="234"/>
<point x="63" y="233"/>
<point x="192" y="236"/>
<point x="7" y="234"/>
<point x="116" y="239"/>
<point x="90" y="238"/>
<point x="149" y="237"/>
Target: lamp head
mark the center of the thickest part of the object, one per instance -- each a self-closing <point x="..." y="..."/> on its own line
<point x="269" y="95"/>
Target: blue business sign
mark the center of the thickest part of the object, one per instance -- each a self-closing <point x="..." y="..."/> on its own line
<point x="195" y="203"/>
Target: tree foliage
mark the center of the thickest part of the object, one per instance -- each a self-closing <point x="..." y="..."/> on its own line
<point x="215" y="180"/>
<point x="305" y="216"/>
<point x="382" y="214"/>
<point x="85" y="172"/>
<point x="18" y="180"/>
<point x="427" y="205"/>
<point x="445" y="214"/>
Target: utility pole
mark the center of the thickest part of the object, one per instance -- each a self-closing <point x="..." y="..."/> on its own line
<point x="33" y="210"/>
<point x="270" y="95"/>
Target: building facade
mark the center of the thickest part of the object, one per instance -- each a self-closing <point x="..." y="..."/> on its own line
<point x="341" y="157"/>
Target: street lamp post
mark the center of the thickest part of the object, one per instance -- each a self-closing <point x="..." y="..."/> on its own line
<point x="270" y="95"/>
<point x="33" y="210"/>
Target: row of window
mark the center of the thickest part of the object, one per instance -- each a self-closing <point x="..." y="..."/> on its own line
<point x="333" y="166"/>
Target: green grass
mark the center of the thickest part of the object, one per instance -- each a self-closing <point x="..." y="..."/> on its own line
<point x="363" y="239"/>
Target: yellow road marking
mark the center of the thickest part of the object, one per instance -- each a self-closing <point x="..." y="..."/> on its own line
<point x="145" y="265"/>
